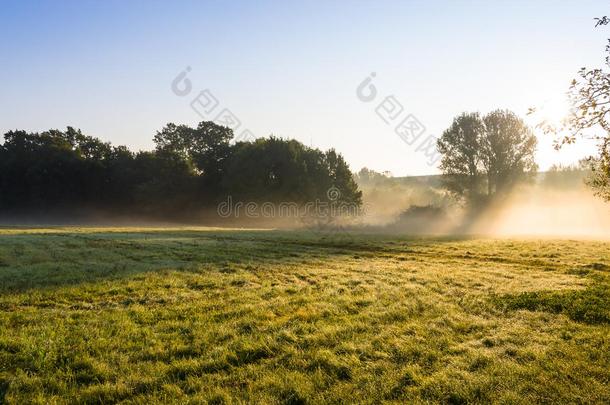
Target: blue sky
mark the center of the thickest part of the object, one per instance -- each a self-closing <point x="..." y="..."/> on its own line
<point x="291" y="68"/>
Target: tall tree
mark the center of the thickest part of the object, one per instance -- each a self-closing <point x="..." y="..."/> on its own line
<point x="507" y="151"/>
<point x="486" y="156"/>
<point x="460" y="147"/>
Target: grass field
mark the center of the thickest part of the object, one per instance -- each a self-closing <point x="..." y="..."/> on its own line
<point x="220" y="316"/>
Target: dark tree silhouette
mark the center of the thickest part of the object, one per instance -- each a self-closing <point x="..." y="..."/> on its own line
<point x="274" y="169"/>
<point x="190" y="169"/>
<point x="205" y="148"/>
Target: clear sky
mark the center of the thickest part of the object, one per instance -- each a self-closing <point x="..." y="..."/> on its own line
<point x="291" y="68"/>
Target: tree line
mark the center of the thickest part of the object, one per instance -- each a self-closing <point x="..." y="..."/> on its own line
<point x="195" y="168"/>
<point x="190" y="169"/>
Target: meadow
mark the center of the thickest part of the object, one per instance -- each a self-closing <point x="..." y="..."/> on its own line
<point x="195" y="315"/>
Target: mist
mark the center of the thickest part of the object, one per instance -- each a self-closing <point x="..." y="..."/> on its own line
<point x="555" y="205"/>
<point x="544" y="212"/>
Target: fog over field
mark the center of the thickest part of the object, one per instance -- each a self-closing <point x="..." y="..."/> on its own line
<point x="548" y="213"/>
<point x="534" y="210"/>
<point x="557" y="204"/>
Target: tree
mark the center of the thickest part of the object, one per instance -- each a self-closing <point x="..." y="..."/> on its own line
<point x="342" y="179"/>
<point x="367" y="176"/>
<point x="205" y="148"/>
<point x="507" y="151"/>
<point x="165" y="184"/>
<point x="279" y="170"/>
<point x="484" y="157"/>
<point x="460" y="146"/>
<point x="599" y="179"/>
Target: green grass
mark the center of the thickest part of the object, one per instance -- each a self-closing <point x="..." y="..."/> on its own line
<point x="206" y="315"/>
